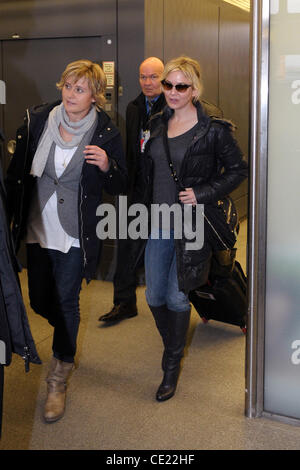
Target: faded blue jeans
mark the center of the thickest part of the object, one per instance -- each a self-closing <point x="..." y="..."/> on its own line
<point x="161" y="274"/>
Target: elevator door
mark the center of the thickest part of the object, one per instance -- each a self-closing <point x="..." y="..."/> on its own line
<point x="31" y="69"/>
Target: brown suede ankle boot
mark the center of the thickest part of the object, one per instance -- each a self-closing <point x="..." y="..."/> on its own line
<point x="57" y="385"/>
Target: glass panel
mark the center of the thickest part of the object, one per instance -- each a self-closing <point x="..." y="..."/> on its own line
<point x="282" y="322"/>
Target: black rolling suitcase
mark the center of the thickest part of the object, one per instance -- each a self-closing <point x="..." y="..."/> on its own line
<point x="223" y="298"/>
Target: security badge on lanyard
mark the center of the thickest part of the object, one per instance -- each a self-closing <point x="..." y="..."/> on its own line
<point x="145" y="134"/>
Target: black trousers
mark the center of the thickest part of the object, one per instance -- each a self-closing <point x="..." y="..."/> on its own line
<point x="125" y="278"/>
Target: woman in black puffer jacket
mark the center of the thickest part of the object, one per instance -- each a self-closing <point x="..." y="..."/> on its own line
<point x="208" y="165"/>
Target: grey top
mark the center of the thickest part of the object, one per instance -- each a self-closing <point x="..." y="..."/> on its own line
<point x="164" y="188"/>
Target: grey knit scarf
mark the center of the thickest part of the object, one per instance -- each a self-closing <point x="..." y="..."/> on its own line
<point x="51" y="134"/>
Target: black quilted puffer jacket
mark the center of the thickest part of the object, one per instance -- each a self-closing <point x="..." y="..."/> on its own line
<point x="213" y="166"/>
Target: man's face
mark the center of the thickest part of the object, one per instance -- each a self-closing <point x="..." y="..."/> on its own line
<point x="150" y="73"/>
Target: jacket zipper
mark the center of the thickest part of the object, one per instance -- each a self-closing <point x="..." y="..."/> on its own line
<point x="26" y="358"/>
<point x="110" y="136"/>
<point x="26" y="355"/>
<point x="81" y="223"/>
<point x="23" y="176"/>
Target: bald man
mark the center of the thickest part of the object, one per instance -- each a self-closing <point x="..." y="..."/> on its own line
<point x="148" y="102"/>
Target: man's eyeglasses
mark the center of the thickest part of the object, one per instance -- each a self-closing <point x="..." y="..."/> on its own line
<point x="181" y="87"/>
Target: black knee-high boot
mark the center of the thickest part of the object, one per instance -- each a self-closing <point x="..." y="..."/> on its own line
<point x="161" y="317"/>
<point x="178" y="324"/>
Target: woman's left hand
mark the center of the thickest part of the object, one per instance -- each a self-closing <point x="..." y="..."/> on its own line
<point x="96" y="156"/>
<point x="188" y="196"/>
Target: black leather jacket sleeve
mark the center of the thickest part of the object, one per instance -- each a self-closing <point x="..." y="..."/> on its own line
<point x="231" y="168"/>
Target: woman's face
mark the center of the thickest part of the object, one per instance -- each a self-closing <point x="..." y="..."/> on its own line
<point x="77" y="98"/>
<point x="175" y="99"/>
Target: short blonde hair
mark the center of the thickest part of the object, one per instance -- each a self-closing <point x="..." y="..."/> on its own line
<point x="92" y="72"/>
<point x="190" y="68"/>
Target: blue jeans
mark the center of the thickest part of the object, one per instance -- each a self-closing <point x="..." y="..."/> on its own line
<point x="54" y="281"/>
<point x="161" y="275"/>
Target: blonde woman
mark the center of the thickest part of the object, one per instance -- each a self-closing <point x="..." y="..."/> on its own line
<point x="208" y="165"/>
<point x="67" y="153"/>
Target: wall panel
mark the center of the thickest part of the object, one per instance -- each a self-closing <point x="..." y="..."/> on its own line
<point x="56" y="18"/>
<point x="191" y="28"/>
<point x="217" y="35"/>
<point x="234" y="80"/>
<point x="130" y="33"/>
<point x="154" y="28"/>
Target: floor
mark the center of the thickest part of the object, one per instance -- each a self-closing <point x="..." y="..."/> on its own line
<point x="111" y="395"/>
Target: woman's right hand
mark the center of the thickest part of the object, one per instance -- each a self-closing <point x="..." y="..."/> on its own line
<point x="188" y="196"/>
<point x="95" y="155"/>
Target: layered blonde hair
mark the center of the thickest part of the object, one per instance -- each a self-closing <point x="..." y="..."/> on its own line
<point x="92" y="72"/>
<point x="190" y="68"/>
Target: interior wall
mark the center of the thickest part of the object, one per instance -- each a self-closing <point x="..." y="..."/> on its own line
<point x="112" y="30"/>
<point x="217" y="35"/>
<point x="56" y="18"/>
<point x="130" y="43"/>
<point x="234" y="81"/>
<point x="191" y="28"/>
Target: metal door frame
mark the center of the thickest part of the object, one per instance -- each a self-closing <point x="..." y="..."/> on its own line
<point x="257" y="227"/>
<point x="257" y="207"/>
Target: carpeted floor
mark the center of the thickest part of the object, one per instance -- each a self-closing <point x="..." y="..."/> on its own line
<point x="111" y="397"/>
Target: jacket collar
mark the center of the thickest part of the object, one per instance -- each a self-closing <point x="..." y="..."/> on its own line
<point x="140" y="101"/>
<point x="160" y="120"/>
<point x="39" y="114"/>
